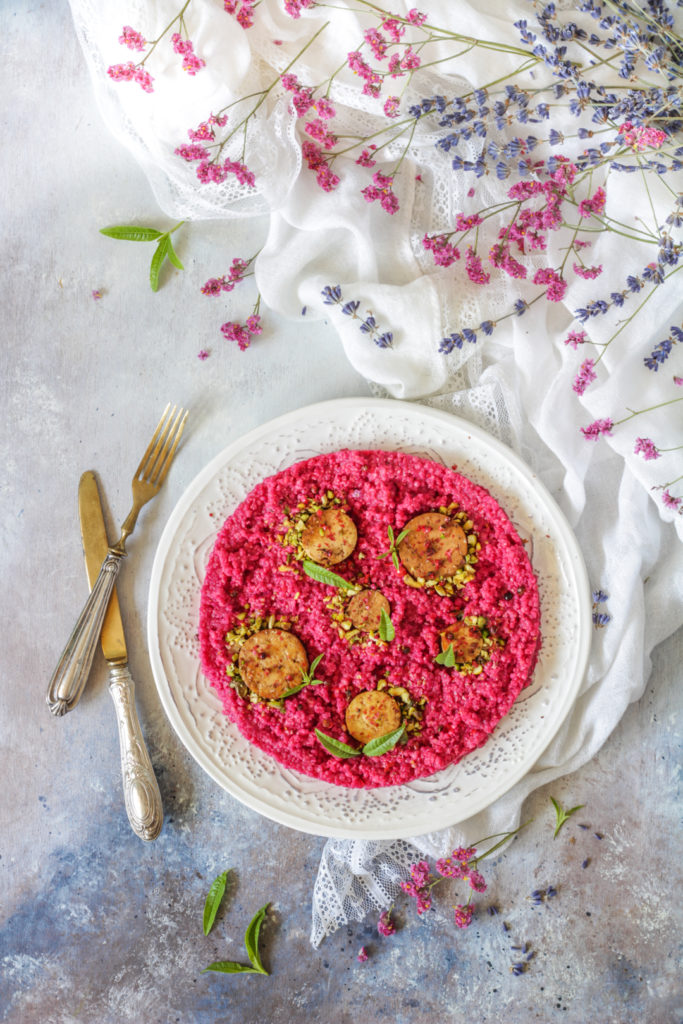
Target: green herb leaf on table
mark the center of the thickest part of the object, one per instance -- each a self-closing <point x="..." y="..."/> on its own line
<point x="561" y="815"/>
<point x="131" y="233"/>
<point x="213" y="900"/>
<point x="336" y="747"/>
<point x="160" y="254"/>
<point x="173" y="256"/>
<point x="386" y="627"/>
<point x="446" y="657"/>
<point x="251" y="937"/>
<point x="382" y="744"/>
<point x="322" y="575"/>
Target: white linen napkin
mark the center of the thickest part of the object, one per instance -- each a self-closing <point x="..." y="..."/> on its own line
<point x="324" y="252"/>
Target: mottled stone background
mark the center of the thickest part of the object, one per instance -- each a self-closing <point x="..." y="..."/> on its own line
<point x="97" y="927"/>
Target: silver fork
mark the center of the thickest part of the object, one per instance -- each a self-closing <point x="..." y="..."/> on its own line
<point x="70" y="676"/>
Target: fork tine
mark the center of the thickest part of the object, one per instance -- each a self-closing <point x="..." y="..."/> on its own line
<point x="152" y="443"/>
<point x="171" y="443"/>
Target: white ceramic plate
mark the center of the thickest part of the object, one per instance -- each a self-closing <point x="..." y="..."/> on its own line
<point x="307" y="804"/>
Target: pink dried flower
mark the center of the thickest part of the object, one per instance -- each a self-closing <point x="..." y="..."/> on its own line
<point x="557" y="286"/>
<point x="97" y="294"/>
<point x="645" y="447"/>
<point x="410" y="60"/>
<point x="377" y="43"/>
<point x="576" y="338"/>
<point x="294" y="7"/>
<point x="362" y="952"/>
<point x="474" y="269"/>
<point x="213" y="286"/>
<point x="128" y="72"/>
<point x="463" y="915"/>
<point x="639" y="137"/>
<point x="476" y="881"/>
<point x="381" y="190"/>
<point x="203" y="354"/>
<point x="584" y="377"/>
<point x="596" y="203"/>
<point x="670" y="500"/>
<point x="678" y="381"/>
<point x="594" y="430"/>
<point x="415" y="18"/>
<point x="254" y="324"/>
<point x="385" y="925"/>
<point x="365" y="159"/>
<point x="443" y="252"/>
<point x="391" y="106"/>
<point x="195" y="152"/>
<point x="587" y="273"/>
<point x="324" y="108"/>
<point x="132" y="39"/>
<point x="394" y="29"/>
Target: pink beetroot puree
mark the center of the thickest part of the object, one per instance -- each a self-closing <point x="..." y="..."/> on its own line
<point x="378" y="489"/>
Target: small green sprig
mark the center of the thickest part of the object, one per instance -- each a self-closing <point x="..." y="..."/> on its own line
<point x="393" y="546"/>
<point x="214" y="900"/>
<point x="561" y="815"/>
<point x="163" y="251"/>
<point x="307" y="678"/>
<point x="373" y="748"/>
<point x="251" y="938"/>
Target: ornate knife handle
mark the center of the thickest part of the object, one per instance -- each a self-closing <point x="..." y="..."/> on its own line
<point x="73" y="668"/>
<point x="140" y="787"/>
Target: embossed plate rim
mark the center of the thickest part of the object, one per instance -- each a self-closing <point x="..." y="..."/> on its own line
<point x="267" y="799"/>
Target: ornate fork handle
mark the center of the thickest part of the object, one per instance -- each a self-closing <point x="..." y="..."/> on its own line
<point x="73" y="668"/>
<point x="140" y="787"/>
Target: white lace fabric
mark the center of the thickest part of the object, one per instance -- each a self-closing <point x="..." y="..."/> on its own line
<point x="517" y="383"/>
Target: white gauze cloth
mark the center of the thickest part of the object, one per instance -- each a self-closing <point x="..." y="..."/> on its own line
<point x="517" y="382"/>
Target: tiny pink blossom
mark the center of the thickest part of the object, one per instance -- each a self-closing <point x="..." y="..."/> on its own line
<point x="671" y="501"/>
<point x="594" y="430"/>
<point x="391" y="106"/>
<point x="474" y="269"/>
<point x="97" y="294"/>
<point x="595" y="204"/>
<point x="377" y="43"/>
<point x="195" y="152"/>
<point x="324" y="108"/>
<point x="365" y="159"/>
<point x="385" y="925"/>
<point x="203" y="354"/>
<point x="476" y="881"/>
<point x="213" y="286"/>
<point x="295" y="7"/>
<point x="678" y="381"/>
<point x="410" y="60"/>
<point x="415" y="18"/>
<point x="557" y="286"/>
<point x="132" y="39"/>
<point x="587" y="273"/>
<point x="463" y="915"/>
<point x="584" y="377"/>
<point x="362" y="952"/>
<point x="576" y="338"/>
<point x="639" y="137"/>
<point x="647" y="448"/>
<point x="254" y="324"/>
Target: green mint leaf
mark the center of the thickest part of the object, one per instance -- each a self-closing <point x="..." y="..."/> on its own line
<point x="402" y="535"/>
<point x="386" y="627"/>
<point x="160" y="254"/>
<point x="446" y="657"/>
<point x="379" y="746"/>
<point x="173" y="256"/>
<point x="561" y="815"/>
<point x="213" y="900"/>
<point x="251" y="939"/>
<point x="230" y="967"/>
<point x="335" y="747"/>
<point x="322" y="575"/>
<point x="131" y="233"/>
<point x="307" y="679"/>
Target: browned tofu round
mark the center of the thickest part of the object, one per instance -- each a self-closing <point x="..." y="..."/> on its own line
<point x="434" y="547"/>
<point x="365" y="609"/>
<point x="466" y="640"/>
<point x="329" y="536"/>
<point x="371" y="714"/>
<point x="271" y="662"/>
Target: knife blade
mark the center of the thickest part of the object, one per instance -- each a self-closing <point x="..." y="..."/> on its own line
<point x="140" y="787"/>
<point x="95" y="547"/>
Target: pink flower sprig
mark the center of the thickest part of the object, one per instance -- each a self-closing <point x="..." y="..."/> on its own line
<point x="134" y="40"/>
<point x="461" y="864"/>
<point x="604" y="427"/>
<point x="243" y="333"/>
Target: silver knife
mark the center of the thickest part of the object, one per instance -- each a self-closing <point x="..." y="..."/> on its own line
<point x="140" y="787"/>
